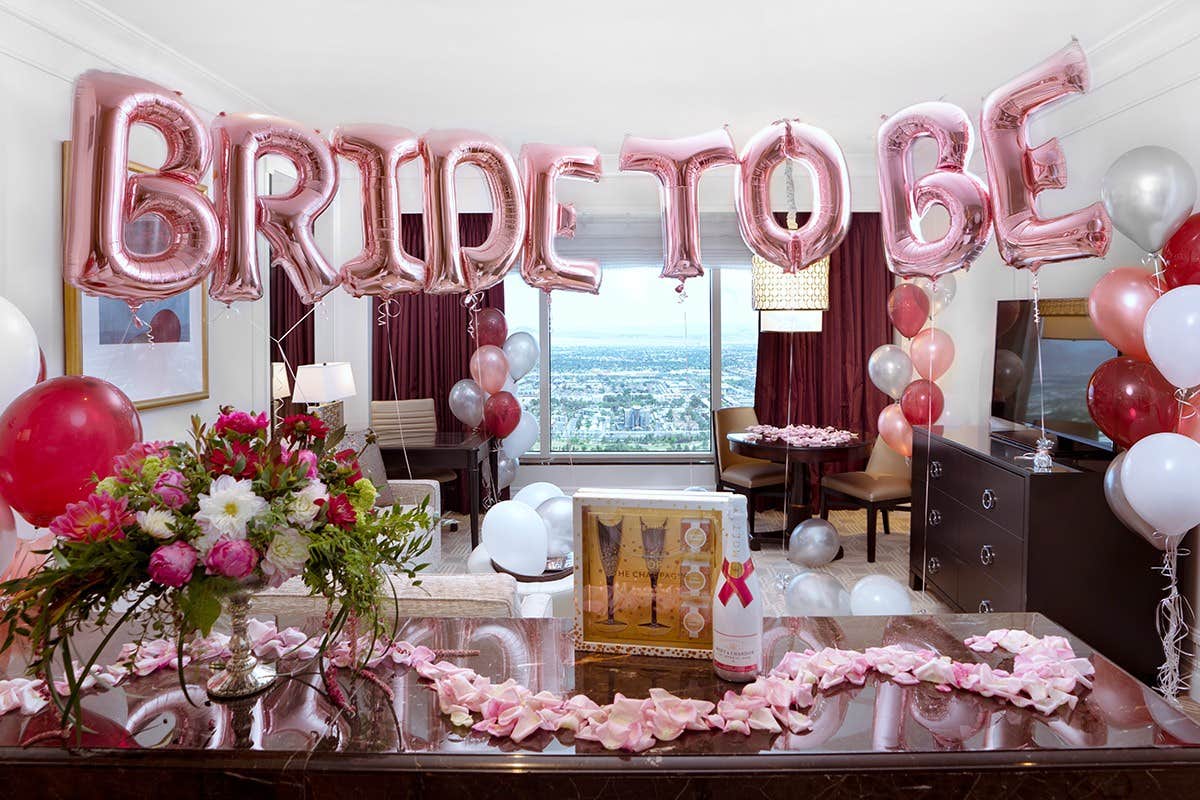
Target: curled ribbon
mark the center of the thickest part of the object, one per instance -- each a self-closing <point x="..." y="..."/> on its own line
<point x="736" y="584"/>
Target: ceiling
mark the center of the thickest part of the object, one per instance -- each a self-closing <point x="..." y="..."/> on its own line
<point x="576" y="73"/>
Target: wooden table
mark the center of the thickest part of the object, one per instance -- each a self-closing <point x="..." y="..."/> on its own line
<point x="427" y="452"/>
<point x="880" y="739"/>
<point x="798" y="460"/>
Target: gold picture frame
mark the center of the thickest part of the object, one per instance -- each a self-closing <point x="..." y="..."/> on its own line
<point x="75" y="349"/>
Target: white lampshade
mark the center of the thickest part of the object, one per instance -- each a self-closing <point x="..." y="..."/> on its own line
<point x="280" y="385"/>
<point x="323" y="383"/>
<point x="790" y="321"/>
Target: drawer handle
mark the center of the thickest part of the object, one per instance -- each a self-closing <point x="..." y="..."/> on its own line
<point x="987" y="556"/>
<point x="988" y="500"/>
<point x="935" y="469"/>
<point x="935" y="517"/>
<point x="935" y="565"/>
<point x="985" y="606"/>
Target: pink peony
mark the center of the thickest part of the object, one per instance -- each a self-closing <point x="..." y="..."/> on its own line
<point x="95" y="518"/>
<point x="172" y="564"/>
<point x="297" y="457"/>
<point x="171" y="489"/>
<point x="241" y="423"/>
<point x="131" y="460"/>
<point x="233" y="558"/>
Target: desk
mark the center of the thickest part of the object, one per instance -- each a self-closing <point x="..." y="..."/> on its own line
<point x="445" y="450"/>
<point x="798" y="460"/>
<point x="1121" y="740"/>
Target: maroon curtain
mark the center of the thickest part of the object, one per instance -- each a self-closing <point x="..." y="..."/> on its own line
<point x="297" y="346"/>
<point x="823" y="376"/>
<point x="423" y="340"/>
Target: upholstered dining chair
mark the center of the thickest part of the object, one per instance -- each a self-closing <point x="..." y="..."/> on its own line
<point x="752" y="477"/>
<point x="885" y="485"/>
<point x="394" y="420"/>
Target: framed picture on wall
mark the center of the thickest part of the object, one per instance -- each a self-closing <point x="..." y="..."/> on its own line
<point x="158" y="357"/>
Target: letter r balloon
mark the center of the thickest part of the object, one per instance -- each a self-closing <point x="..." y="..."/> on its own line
<point x="285" y="220"/>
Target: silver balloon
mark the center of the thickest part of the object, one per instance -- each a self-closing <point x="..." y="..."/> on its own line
<point x="559" y="515"/>
<point x="940" y="292"/>
<point x="1114" y="493"/>
<point x="522" y="351"/>
<point x="506" y="469"/>
<point x="466" y="402"/>
<point x="1007" y="374"/>
<point x="815" y="594"/>
<point x="890" y="370"/>
<point x="1149" y="192"/>
<point x="813" y="543"/>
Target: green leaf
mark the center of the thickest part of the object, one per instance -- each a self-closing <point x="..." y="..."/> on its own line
<point x="200" y="606"/>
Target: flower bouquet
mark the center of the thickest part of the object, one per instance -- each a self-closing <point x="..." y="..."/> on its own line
<point x="179" y="529"/>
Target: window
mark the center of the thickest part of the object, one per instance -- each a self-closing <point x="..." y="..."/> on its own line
<point x="631" y="370"/>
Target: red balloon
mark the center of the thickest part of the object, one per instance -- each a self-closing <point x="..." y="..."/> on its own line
<point x="501" y="413"/>
<point x="922" y="402"/>
<point x="490" y="328"/>
<point x="1130" y="400"/>
<point x="165" y="327"/>
<point x="1182" y="254"/>
<point x="908" y="308"/>
<point x="55" y="436"/>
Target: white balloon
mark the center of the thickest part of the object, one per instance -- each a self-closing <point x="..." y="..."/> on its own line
<point x="20" y="360"/>
<point x="522" y="351"/>
<point x="537" y="493"/>
<point x="559" y="515"/>
<point x="1159" y="479"/>
<point x="466" y="402"/>
<point x="940" y="292"/>
<point x="1172" y="335"/>
<point x="890" y="369"/>
<point x="517" y="443"/>
<point x="480" y="562"/>
<point x="506" y="469"/>
<point x="879" y="594"/>
<point x="515" y="537"/>
<point x="816" y="594"/>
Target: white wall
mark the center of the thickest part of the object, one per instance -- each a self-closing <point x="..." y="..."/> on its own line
<point x="43" y="48"/>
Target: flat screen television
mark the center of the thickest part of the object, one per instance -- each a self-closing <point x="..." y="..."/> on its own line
<point x="1070" y="352"/>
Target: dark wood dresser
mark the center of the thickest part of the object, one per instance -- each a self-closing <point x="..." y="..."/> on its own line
<point x="988" y="534"/>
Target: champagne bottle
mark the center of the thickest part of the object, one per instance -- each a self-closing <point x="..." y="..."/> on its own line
<point x="737" y="603"/>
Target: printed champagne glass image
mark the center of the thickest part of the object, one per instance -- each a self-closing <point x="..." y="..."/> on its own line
<point x="654" y="540"/>
<point x="609" y="537"/>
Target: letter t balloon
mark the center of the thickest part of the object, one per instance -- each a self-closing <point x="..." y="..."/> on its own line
<point x="678" y="165"/>
<point x="1018" y="173"/>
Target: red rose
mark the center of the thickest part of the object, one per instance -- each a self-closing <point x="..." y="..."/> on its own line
<point x="303" y="425"/>
<point x="348" y="459"/>
<point x="241" y="423"/>
<point x="339" y="512"/>
<point x="235" y="458"/>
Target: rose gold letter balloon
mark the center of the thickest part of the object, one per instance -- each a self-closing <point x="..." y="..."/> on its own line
<point x="383" y="267"/>
<point x="453" y="268"/>
<point x="1017" y="173"/>
<point x="830" y="219"/>
<point x="102" y="197"/>
<point x="678" y="165"/>
<point x="905" y="199"/>
<point x="286" y="220"/>
<point x="541" y="267"/>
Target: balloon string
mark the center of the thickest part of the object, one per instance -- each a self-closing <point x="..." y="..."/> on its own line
<point x="387" y="308"/>
<point x="472" y="302"/>
<point x="1035" y="286"/>
<point x="391" y="351"/>
<point x="1156" y="262"/>
<point x="1187" y="409"/>
<point x="928" y="467"/>
<point x="1171" y="628"/>
<point x="231" y="311"/>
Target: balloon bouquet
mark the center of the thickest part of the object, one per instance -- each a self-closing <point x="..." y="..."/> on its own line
<point x="54" y="435"/>
<point x="1144" y="399"/>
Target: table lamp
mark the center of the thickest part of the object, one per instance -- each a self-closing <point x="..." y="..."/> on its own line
<point x="281" y="388"/>
<point x="323" y="387"/>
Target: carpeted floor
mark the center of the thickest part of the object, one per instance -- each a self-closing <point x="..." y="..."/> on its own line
<point x="891" y="557"/>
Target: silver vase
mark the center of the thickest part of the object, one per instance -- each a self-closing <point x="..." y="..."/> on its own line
<point x="243" y="676"/>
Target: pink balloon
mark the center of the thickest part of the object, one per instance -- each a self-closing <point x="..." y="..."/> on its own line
<point x="830" y="219"/>
<point x="285" y="220"/>
<point x="383" y="267"/>
<point x="678" y="165"/>
<point x="1017" y="173"/>
<point x="541" y="166"/>
<point x="452" y="268"/>
<point x="1118" y="305"/>
<point x="489" y="368"/>
<point x="904" y="199"/>
<point x="102" y="197"/>
<point x="932" y="353"/>
<point x="895" y="430"/>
